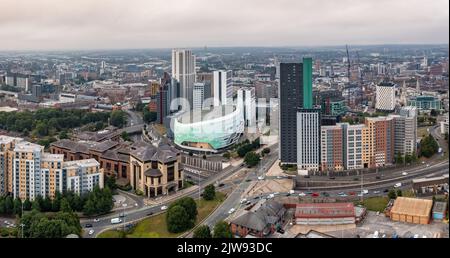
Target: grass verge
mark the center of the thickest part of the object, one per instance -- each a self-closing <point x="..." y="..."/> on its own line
<point x="156" y="227"/>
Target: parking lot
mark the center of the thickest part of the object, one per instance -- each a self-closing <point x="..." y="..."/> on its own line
<point x="7" y="222"/>
<point x="388" y="228"/>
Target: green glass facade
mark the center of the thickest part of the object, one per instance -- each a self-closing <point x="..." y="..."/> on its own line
<point x="307" y="83"/>
<point x="425" y="103"/>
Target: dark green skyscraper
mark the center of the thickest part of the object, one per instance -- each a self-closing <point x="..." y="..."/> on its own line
<point x="295" y="92"/>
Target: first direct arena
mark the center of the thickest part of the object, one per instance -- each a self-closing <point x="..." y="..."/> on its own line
<point x="209" y="130"/>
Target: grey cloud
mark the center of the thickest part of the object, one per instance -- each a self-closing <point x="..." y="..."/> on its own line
<point x="56" y="24"/>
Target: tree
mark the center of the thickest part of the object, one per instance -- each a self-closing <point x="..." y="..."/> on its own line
<point x="27" y="204"/>
<point x="177" y="221"/>
<point x="392" y="194"/>
<point x="434" y="112"/>
<point x="148" y="116"/>
<point x="399" y="158"/>
<point x="63" y="135"/>
<point x="125" y="136"/>
<point x="428" y="146"/>
<point x="65" y="206"/>
<point x="226" y="155"/>
<point x="9" y="205"/>
<point x="17" y="207"/>
<point x="189" y="205"/>
<point x="399" y="193"/>
<point x="266" y="150"/>
<point x="209" y="193"/>
<point x="89" y="208"/>
<point x="202" y="231"/>
<point x="252" y="159"/>
<point x="118" y="118"/>
<point x="408" y="158"/>
<point x="222" y="230"/>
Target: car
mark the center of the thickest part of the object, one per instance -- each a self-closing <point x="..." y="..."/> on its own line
<point x="116" y="221"/>
<point x="270" y="196"/>
<point x="404" y="174"/>
<point x="243" y="201"/>
<point x="352" y="193"/>
<point x="247" y="202"/>
<point x="386" y="191"/>
<point x="88" y="225"/>
<point x="301" y="194"/>
<point x="378" y="177"/>
<point x="221" y="184"/>
<point x="279" y="177"/>
<point x="248" y="180"/>
<point x="276" y="193"/>
<point x="291" y="191"/>
<point x="261" y="178"/>
<point x="256" y="197"/>
<point x="96" y="220"/>
<point x="315" y="194"/>
<point x="341" y="193"/>
<point x="309" y="193"/>
<point x="150" y="214"/>
<point x="91" y="232"/>
<point x="306" y="176"/>
<point x="231" y="210"/>
<point x="397" y="185"/>
<point x="122" y="215"/>
<point x="376" y="192"/>
<point x="325" y="194"/>
<point x="365" y="191"/>
<point x="360" y="194"/>
<point x="423" y="162"/>
<point x="332" y="178"/>
<point x="428" y="165"/>
<point x="163" y="208"/>
<point x="416" y="236"/>
<point x="281" y="231"/>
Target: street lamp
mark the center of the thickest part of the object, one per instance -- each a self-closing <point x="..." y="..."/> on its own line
<point x="124" y="217"/>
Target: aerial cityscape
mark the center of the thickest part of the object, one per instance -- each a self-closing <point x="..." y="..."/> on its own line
<point x="166" y="132"/>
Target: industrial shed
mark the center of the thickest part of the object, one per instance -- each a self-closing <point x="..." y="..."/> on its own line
<point x="411" y="210"/>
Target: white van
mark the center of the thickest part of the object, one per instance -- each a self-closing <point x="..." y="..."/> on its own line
<point x="397" y="185"/>
<point x="116" y="221"/>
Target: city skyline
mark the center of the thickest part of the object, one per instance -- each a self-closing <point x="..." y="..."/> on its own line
<point x="88" y="25"/>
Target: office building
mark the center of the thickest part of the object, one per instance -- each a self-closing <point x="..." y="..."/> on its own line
<point x="222" y="87"/>
<point x="308" y="139"/>
<point x="385" y="96"/>
<point x="198" y="95"/>
<point x="353" y="143"/>
<point x="425" y="103"/>
<point x="183" y="71"/>
<point x="247" y="102"/>
<point x="405" y="131"/>
<point x="156" y="171"/>
<point x="295" y="91"/>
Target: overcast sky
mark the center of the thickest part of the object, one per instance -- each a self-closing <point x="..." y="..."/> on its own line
<point x="101" y="24"/>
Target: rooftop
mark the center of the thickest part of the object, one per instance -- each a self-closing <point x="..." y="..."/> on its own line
<point x="324" y="210"/>
<point x="412" y="206"/>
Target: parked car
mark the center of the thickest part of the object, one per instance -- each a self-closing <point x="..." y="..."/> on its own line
<point x="378" y="177"/>
<point x="96" y="220"/>
<point x="163" y="208"/>
<point x="291" y="191"/>
<point x="281" y="231"/>
<point x="301" y="194"/>
<point x="231" y="210"/>
<point x="376" y="192"/>
<point x="306" y="176"/>
<point x="261" y="178"/>
<point x="404" y="174"/>
<point x="325" y="194"/>
<point x="315" y="194"/>
<point x="351" y="193"/>
<point x="279" y="177"/>
<point x="386" y="191"/>
<point x="221" y="184"/>
<point x="397" y="185"/>
<point x="91" y="232"/>
<point x="88" y="225"/>
<point x="332" y="178"/>
<point x="243" y="201"/>
<point x="150" y="214"/>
